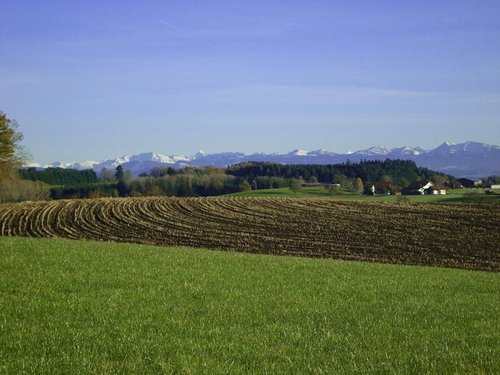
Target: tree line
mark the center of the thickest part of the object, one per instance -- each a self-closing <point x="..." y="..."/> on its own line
<point x="210" y="181"/>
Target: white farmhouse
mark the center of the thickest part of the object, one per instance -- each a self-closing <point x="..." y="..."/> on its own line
<point x="438" y="190"/>
<point x="422" y="188"/>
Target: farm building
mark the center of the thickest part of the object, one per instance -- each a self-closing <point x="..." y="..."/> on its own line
<point x="468" y="183"/>
<point x="495" y="186"/>
<point x="437" y="190"/>
<point x="422" y="188"/>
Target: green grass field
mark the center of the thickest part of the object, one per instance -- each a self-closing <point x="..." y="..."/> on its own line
<point x="88" y="307"/>
<point x="453" y="196"/>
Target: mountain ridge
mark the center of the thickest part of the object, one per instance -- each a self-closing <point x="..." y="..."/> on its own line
<point x="467" y="159"/>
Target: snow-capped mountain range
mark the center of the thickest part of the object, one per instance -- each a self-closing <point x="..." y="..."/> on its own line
<point x="469" y="159"/>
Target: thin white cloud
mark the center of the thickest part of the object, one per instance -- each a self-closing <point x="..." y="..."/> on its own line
<point x="173" y="27"/>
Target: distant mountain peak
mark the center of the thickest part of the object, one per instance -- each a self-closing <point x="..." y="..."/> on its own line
<point x="408" y="150"/>
<point x="376" y="150"/>
<point x="468" y="159"/>
<point x="321" y="152"/>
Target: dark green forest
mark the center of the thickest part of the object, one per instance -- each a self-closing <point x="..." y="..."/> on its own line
<point x="399" y="172"/>
<point x="59" y="176"/>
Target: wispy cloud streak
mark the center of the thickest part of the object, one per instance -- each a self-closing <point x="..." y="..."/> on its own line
<point x="173" y="27"/>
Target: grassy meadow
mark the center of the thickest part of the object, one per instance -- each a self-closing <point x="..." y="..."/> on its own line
<point x="453" y="196"/>
<point x="93" y="307"/>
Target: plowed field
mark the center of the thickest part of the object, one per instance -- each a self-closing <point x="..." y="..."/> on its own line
<point x="462" y="236"/>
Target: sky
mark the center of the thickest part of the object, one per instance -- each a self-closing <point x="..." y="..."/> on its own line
<point x="93" y="80"/>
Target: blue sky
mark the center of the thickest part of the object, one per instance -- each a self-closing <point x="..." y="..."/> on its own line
<point x="99" y="79"/>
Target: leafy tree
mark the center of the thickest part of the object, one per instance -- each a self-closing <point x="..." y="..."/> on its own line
<point x="12" y="188"/>
<point x="334" y="189"/>
<point x="245" y="186"/>
<point x="162" y="171"/>
<point x="404" y="183"/>
<point x="124" y="179"/>
<point x="340" y="179"/>
<point x="127" y="176"/>
<point x="120" y="185"/>
<point x="212" y="184"/>
<point x="358" y="186"/>
<point x="107" y="174"/>
<point x="295" y="185"/>
<point x="439" y="179"/>
<point x="17" y="190"/>
<point x="10" y="138"/>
